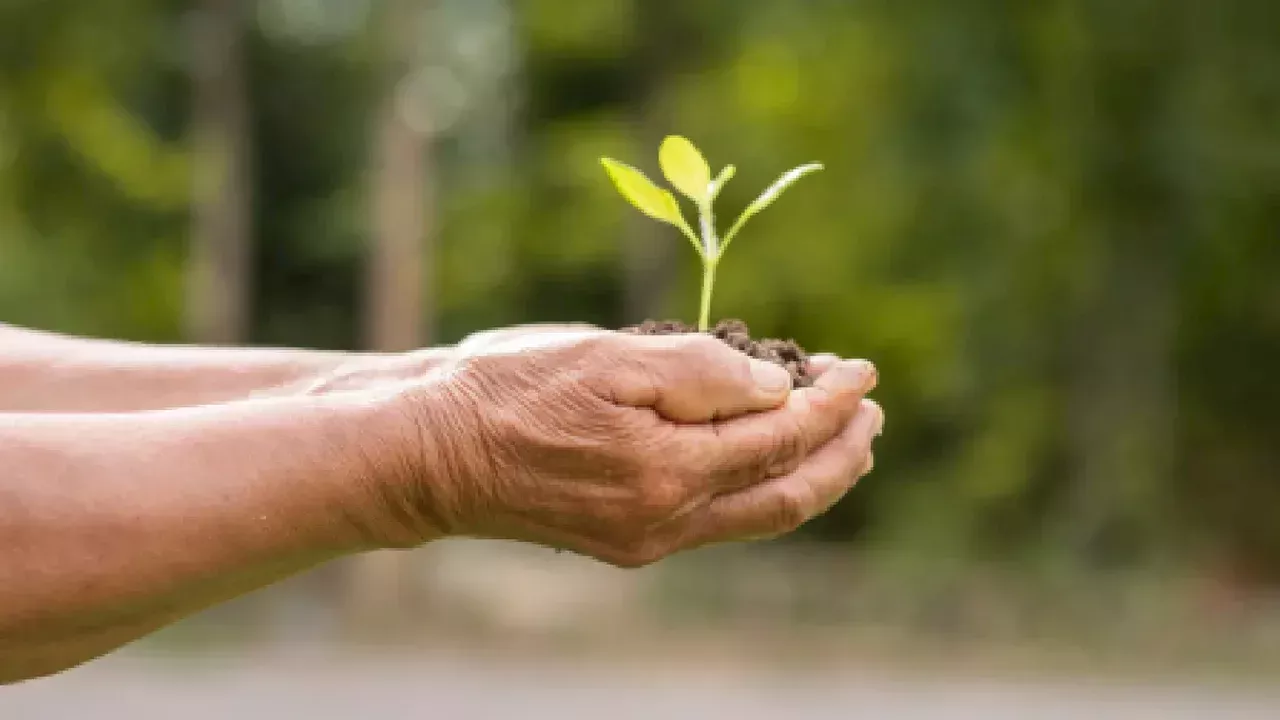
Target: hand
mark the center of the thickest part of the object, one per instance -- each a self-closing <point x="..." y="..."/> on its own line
<point x="362" y="371"/>
<point x="624" y="448"/>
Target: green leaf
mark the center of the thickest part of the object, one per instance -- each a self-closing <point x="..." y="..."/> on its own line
<point x="648" y="198"/>
<point x="685" y="168"/>
<point x="767" y="197"/>
<point x="773" y="191"/>
<point x="725" y="176"/>
<point x="641" y="192"/>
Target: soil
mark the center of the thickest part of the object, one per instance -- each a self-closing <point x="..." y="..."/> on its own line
<point x="735" y="334"/>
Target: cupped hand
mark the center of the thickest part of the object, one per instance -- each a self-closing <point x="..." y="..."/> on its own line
<point x="622" y="447"/>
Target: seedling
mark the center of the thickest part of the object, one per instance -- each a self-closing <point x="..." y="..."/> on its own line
<point x="688" y="172"/>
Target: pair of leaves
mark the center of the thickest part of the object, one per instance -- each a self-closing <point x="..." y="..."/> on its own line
<point x="688" y="172"/>
<point x="684" y="167"/>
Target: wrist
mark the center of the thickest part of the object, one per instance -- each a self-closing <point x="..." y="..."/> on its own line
<point x="398" y="443"/>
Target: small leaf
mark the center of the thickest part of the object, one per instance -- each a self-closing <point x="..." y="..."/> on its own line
<point x="773" y="191"/>
<point x="685" y="168"/>
<point x="766" y="199"/>
<point x="648" y="198"/>
<point x="718" y="184"/>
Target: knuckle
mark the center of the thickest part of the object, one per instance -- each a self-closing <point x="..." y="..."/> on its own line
<point x="792" y="508"/>
<point x="790" y="445"/>
<point x="705" y="350"/>
<point x="641" y="552"/>
<point x="661" y="496"/>
<point x="777" y="450"/>
<point x="821" y="401"/>
<point x="823" y="416"/>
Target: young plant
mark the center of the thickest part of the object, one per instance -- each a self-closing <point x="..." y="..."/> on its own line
<point x="688" y="172"/>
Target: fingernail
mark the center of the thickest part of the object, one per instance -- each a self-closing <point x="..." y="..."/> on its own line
<point x="879" y="417"/>
<point x="821" y="363"/>
<point x="858" y="376"/>
<point x="870" y="376"/>
<point x="770" y="378"/>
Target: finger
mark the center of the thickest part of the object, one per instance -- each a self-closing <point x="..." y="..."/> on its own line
<point x="821" y="363"/>
<point x="755" y="449"/>
<point x="696" y="378"/>
<point x="784" y="504"/>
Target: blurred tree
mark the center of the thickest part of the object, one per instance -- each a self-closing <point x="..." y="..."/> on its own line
<point x="221" y="245"/>
<point x="398" y="308"/>
<point x="1120" y="380"/>
<point x="1052" y="224"/>
<point x="95" y="175"/>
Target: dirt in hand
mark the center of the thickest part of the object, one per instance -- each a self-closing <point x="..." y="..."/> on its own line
<point x="735" y="334"/>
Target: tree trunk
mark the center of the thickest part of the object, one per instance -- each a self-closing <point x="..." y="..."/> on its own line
<point x="398" y="310"/>
<point x="1123" y="389"/>
<point x="218" y="284"/>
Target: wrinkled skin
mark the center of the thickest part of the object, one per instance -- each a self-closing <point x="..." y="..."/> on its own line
<point x="158" y="481"/>
<point x="620" y="447"/>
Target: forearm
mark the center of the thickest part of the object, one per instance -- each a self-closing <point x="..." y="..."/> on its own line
<point x="44" y="372"/>
<point x="112" y="526"/>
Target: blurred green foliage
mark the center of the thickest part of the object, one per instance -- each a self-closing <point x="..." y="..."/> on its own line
<point x="1055" y="225"/>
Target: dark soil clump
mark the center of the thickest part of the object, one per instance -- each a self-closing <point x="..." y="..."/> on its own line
<point x="735" y="334"/>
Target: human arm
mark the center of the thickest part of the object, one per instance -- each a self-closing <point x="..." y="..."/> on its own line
<point x="626" y="449"/>
<point x="114" y="525"/>
<point x="48" y="372"/>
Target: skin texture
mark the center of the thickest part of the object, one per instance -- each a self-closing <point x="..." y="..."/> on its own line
<point x="45" y="372"/>
<point x="121" y="512"/>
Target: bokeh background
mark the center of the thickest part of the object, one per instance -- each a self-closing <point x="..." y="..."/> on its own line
<point x="1054" y="225"/>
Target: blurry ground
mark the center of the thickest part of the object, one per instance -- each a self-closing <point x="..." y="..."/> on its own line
<point x="324" y="688"/>
<point x="497" y="630"/>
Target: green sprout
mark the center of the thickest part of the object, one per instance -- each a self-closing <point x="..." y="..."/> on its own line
<point x="688" y="172"/>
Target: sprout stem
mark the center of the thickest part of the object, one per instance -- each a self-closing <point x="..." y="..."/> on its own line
<point x="708" y="285"/>
<point x="710" y="257"/>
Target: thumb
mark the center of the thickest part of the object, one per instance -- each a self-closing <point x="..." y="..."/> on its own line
<point x="697" y="378"/>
